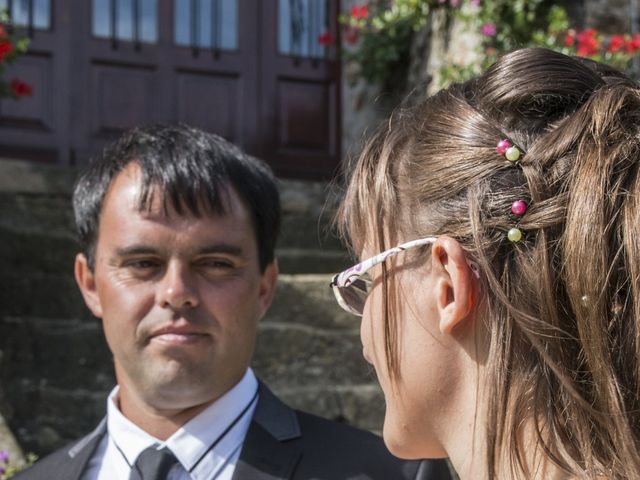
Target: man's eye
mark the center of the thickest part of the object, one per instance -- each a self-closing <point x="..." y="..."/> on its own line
<point x="142" y="264"/>
<point x="215" y="264"/>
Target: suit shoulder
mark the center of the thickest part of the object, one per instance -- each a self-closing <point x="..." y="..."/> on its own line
<point x="313" y="425"/>
<point x="347" y="448"/>
<point x="46" y="467"/>
<point x="67" y="462"/>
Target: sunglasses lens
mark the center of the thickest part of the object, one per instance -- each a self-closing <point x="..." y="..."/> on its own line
<point x="353" y="297"/>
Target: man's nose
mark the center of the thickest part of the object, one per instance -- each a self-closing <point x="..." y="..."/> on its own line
<point x="177" y="288"/>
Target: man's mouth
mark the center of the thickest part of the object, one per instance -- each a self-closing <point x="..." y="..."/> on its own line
<point x="178" y="335"/>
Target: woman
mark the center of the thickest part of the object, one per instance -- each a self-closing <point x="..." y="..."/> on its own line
<point x="505" y="329"/>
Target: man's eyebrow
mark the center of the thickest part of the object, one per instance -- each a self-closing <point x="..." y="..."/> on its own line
<point x="226" y="248"/>
<point x="221" y="248"/>
<point x="135" y="250"/>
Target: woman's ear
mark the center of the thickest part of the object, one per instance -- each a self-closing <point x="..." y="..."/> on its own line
<point x="455" y="284"/>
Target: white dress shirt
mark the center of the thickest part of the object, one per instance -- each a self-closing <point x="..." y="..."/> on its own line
<point x="124" y="440"/>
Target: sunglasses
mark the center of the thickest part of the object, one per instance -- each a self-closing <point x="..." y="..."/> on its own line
<point x="352" y="287"/>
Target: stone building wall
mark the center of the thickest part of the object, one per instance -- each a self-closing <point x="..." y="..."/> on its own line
<point x="55" y="369"/>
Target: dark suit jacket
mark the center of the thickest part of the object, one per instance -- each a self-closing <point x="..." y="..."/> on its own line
<point x="280" y="444"/>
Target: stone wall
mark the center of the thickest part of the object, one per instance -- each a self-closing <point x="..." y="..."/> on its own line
<point x="55" y="369"/>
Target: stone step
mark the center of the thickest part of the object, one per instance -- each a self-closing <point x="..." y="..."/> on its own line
<point x="302" y="261"/>
<point x="36" y="252"/>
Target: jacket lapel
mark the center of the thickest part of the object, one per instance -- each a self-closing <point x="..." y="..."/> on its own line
<point x="80" y="453"/>
<point x="266" y="453"/>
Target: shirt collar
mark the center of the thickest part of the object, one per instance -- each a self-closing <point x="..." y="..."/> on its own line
<point x="193" y="439"/>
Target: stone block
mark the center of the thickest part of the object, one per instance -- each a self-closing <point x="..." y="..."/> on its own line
<point x="40" y="295"/>
<point x="59" y="353"/>
<point x="54" y="417"/>
<point x="302" y="260"/>
<point x="40" y="214"/>
<point x="358" y="405"/>
<point x="287" y="355"/>
<point x="307" y="232"/>
<point x="29" y="253"/>
<point x="17" y="176"/>
<point x="308" y="300"/>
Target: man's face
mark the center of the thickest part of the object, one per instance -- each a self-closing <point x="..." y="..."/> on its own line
<point x="180" y="297"/>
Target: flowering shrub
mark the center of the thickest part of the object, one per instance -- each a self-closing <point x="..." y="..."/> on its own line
<point x="12" y="45"/>
<point x="7" y="470"/>
<point x="506" y="25"/>
<point x="379" y="36"/>
<point x="617" y="50"/>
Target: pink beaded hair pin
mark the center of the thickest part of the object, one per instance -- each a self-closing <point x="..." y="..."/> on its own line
<point x="519" y="207"/>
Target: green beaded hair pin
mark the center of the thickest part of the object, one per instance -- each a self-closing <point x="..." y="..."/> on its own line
<point x="519" y="207"/>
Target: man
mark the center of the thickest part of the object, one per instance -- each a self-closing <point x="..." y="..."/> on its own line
<point x="178" y="231"/>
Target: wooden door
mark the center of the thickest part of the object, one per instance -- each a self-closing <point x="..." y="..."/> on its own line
<point x="300" y="88"/>
<point x="179" y="74"/>
<point x="99" y="67"/>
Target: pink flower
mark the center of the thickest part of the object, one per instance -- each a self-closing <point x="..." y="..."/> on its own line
<point x="488" y="30"/>
<point x="475" y="3"/>
<point x="454" y="3"/>
<point x="359" y="11"/>
<point x="325" y="39"/>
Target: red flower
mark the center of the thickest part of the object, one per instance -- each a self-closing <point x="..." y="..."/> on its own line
<point x="6" y="48"/>
<point x="325" y="39"/>
<point x="20" y="88"/>
<point x="633" y="45"/>
<point x="588" y="43"/>
<point x="351" y="34"/>
<point x="359" y="11"/>
<point x="616" y="43"/>
<point x="570" y="38"/>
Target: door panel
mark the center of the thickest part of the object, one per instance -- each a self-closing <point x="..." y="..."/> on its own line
<point x="211" y="102"/>
<point x="124" y="96"/>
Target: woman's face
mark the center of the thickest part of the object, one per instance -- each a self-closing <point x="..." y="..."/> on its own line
<point x="417" y="403"/>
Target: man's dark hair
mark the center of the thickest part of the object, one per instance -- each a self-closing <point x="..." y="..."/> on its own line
<point x="192" y="170"/>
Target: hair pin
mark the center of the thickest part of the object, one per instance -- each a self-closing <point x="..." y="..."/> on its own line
<point x="518" y="208"/>
<point x="506" y="148"/>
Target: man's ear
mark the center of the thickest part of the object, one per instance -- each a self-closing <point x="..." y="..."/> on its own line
<point x="455" y="284"/>
<point x="268" y="284"/>
<point x="87" y="284"/>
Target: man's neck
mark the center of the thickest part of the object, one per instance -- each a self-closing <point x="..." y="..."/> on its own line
<point x="159" y="423"/>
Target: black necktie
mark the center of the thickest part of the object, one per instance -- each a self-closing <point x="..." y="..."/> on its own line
<point x="153" y="464"/>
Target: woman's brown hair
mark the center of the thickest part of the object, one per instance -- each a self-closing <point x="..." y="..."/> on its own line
<point x="563" y="304"/>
